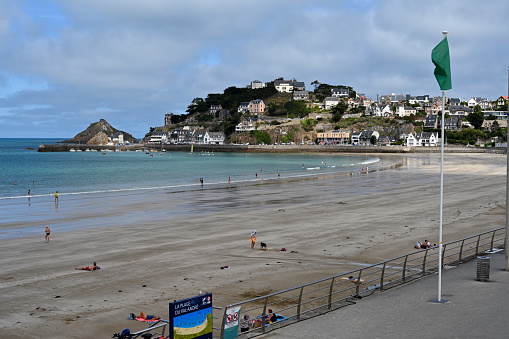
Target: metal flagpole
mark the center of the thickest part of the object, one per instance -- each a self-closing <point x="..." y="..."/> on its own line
<point x="441" y="195"/>
<point x="506" y="246"/>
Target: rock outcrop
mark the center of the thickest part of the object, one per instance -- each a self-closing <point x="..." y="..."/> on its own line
<point x="97" y="134"/>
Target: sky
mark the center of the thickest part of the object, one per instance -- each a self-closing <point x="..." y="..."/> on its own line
<point x="66" y="64"/>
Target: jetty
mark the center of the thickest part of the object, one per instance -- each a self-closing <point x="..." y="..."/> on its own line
<point x="268" y="148"/>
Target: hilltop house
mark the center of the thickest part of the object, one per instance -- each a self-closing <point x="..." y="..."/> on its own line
<point x="288" y="86"/>
<point x="214" y="109"/>
<point x="246" y="124"/>
<point x="301" y="95"/>
<point x="431" y="121"/>
<point x="452" y="124"/>
<point x="243" y="107"/>
<point x="459" y="112"/>
<point x="257" y="107"/>
<point x="340" y="93"/>
<point x="404" y="111"/>
<point x="257" y="84"/>
<point x="501" y="101"/>
<point x="331" y="102"/>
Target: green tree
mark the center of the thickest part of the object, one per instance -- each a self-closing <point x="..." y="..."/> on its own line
<point x="476" y="118"/>
<point x="338" y="111"/>
<point x="372" y="140"/>
<point x="261" y="137"/>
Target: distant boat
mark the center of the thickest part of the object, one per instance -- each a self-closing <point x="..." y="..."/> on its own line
<point x="72" y="150"/>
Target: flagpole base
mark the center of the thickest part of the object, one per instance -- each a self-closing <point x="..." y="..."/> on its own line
<point x="436" y="301"/>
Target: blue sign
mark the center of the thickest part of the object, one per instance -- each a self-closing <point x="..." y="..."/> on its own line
<point x="191" y="318"/>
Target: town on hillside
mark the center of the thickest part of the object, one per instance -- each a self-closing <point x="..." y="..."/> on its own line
<point x="286" y="112"/>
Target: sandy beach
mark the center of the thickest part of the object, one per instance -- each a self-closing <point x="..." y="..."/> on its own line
<point x="159" y="246"/>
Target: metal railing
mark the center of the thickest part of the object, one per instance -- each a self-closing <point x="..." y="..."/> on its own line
<point x="321" y="296"/>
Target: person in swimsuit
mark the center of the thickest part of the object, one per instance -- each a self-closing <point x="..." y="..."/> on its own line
<point x="56" y="196"/>
<point x="88" y="268"/>
<point x="47" y="230"/>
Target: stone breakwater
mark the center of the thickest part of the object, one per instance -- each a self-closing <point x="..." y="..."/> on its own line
<point x="268" y="148"/>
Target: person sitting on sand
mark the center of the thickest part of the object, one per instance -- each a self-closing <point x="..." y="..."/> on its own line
<point x="244" y="324"/>
<point x="263" y="246"/>
<point x="88" y="268"/>
<point x="418" y="244"/>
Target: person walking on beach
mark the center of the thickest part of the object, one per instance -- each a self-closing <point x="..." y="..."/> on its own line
<point x="47" y="231"/>
<point x="56" y="196"/>
<point x="29" y="192"/>
<point x="253" y="239"/>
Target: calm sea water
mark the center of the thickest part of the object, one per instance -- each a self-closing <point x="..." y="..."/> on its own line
<point x="75" y="173"/>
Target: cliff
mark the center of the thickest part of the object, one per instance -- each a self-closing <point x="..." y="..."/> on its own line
<point x="97" y="133"/>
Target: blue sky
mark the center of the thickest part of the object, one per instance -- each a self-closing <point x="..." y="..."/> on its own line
<point x="66" y="64"/>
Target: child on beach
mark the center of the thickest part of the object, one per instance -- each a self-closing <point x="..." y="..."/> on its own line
<point x="253" y="239"/>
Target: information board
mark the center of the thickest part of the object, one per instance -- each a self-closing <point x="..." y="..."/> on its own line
<point x="191" y="318"/>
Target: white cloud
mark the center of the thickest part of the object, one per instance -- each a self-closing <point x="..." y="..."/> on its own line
<point x="130" y="62"/>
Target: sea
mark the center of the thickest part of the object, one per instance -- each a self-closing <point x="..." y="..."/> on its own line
<point x="93" y="186"/>
<point x="23" y="168"/>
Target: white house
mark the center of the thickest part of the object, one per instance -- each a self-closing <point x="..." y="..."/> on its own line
<point x="216" y="138"/>
<point x="404" y="111"/>
<point x="331" y="102"/>
<point x="340" y="93"/>
<point x="257" y="84"/>
<point x="246" y="125"/>
<point x="422" y="139"/>
<point x="243" y="107"/>
<point x="201" y="137"/>
<point x="158" y="138"/>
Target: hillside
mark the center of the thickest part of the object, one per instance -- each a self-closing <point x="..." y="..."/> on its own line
<point x="97" y="133"/>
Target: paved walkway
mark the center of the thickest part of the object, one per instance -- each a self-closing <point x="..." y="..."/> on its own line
<point x="474" y="309"/>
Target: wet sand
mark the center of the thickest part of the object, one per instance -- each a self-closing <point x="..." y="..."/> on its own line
<point x="156" y="247"/>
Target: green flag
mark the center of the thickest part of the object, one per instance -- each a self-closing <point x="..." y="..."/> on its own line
<point x="440" y="57"/>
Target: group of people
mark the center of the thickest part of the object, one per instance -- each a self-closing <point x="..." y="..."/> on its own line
<point x="424" y="245"/>
<point x="270" y="318"/>
<point x="253" y="241"/>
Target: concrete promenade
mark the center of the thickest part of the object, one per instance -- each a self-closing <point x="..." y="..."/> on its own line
<point x="474" y="309"/>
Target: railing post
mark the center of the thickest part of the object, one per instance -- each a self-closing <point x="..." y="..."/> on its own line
<point x="330" y="293"/>
<point x="477" y="246"/>
<point x="424" y="263"/>
<point x="357" y="285"/>
<point x="264" y="313"/>
<point x="222" y="323"/>
<point x="300" y="301"/>
<point x="492" y="240"/>
<point x="382" y="277"/>
<point x="461" y="250"/>
<point x="443" y="255"/>
<point x="403" y="276"/>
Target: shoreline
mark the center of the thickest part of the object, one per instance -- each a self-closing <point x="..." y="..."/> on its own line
<point x="168" y="247"/>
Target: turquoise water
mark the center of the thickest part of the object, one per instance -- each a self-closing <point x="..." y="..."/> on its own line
<point x="75" y="173"/>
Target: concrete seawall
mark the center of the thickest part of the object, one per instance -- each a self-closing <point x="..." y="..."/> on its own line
<point x="269" y="148"/>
